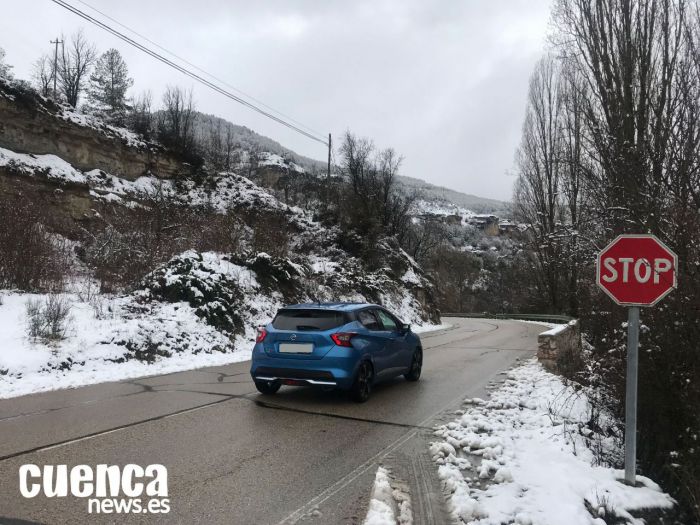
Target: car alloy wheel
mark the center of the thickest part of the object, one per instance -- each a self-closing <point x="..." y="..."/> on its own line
<point x="363" y="383"/>
<point x="416" y="366"/>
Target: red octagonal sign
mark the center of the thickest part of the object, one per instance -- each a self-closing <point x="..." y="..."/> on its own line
<point x="637" y="270"/>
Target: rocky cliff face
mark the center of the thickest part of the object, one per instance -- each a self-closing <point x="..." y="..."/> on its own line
<point x="31" y="124"/>
<point x="65" y="204"/>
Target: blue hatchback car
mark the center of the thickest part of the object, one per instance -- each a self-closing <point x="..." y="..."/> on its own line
<point x="348" y="346"/>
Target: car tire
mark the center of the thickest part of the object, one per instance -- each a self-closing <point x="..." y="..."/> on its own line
<point x="413" y="373"/>
<point x="268" y="388"/>
<point x="362" y="386"/>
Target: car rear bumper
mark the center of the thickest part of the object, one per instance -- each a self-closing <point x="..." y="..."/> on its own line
<point x="329" y="371"/>
<point x="309" y="377"/>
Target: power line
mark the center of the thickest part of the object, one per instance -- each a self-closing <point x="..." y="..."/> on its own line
<point x="186" y="71"/>
<point x="234" y="88"/>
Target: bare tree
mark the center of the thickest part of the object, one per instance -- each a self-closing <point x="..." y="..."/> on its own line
<point x="424" y="238"/>
<point x="75" y="61"/>
<point x="176" y="120"/>
<point x="230" y="149"/>
<point x="42" y="75"/>
<point x="215" y="145"/>
<point x="374" y="204"/>
<point x="140" y="116"/>
<point x="253" y="158"/>
<point x="575" y="165"/>
<point x="629" y="53"/>
<point x="538" y="195"/>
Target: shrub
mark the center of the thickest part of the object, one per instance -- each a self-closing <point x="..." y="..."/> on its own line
<point x="129" y="243"/>
<point x="101" y="308"/>
<point x="48" y="320"/>
<point x="188" y="278"/>
<point x="270" y="234"/>
<point x="147" y="351"/>
<point x="30" y="259"/>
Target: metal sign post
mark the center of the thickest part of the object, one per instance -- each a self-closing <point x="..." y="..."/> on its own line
<point x="635" y="270"/>
<point x="631" y="395"/>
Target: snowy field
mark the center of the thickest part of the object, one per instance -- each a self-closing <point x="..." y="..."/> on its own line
<point x="524" y="457"/>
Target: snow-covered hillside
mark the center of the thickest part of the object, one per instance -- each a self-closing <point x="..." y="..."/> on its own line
<point x="198" y="308"/>
<point x="439" y="194"/>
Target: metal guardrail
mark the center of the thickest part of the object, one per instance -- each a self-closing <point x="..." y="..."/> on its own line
<point x="546" y="318"/>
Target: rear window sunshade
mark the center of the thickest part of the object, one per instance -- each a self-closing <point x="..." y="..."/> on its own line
<point x="308" y="320"/>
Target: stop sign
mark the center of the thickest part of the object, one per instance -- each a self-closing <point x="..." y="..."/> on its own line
<point x="637" y="270"/>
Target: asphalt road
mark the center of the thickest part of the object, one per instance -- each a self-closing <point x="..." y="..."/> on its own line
<point x="236" y="457"/>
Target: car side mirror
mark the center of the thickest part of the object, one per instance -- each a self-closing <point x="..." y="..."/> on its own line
<point x="405" y="328"/>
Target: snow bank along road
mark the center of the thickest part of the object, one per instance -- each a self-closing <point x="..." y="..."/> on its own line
<point x="234" y="456"/>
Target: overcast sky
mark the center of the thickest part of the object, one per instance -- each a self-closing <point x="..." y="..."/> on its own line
<point x="442" y="82"/>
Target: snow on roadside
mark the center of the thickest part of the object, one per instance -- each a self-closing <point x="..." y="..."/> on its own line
<point x="520" y="458"/>
<point x="543" y="323"/>
<point x="557" y="329"/>
<point x="421" y="329"/>
<point x="554" y="328"/>
<point x="390" y="504"/>
<point x="95" y="345"/>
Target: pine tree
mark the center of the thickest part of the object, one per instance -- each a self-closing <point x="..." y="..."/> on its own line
<point x="109" y="83"/>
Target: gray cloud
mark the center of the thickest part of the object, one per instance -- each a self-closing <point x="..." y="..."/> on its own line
<point x="442" y="82"/>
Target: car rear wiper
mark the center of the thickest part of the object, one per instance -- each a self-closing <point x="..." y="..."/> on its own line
<point x="302" y="327"/>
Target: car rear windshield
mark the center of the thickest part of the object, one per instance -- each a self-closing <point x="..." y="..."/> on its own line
<point x="315" y="320"/>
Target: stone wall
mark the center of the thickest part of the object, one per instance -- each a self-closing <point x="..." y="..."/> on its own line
<point x="31" y="125"/>
<point x="559" y="349"/>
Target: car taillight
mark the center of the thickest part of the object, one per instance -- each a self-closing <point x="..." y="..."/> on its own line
<point x="343" y="338"/>
<point x="261" y="335"/>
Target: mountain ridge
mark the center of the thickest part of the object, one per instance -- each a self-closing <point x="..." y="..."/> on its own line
<point x="253" y="141"/>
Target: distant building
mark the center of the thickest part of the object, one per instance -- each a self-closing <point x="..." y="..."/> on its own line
<point x="452" y="219"/>
<point x="507" y="228"/>
<point x="486" y="223"/>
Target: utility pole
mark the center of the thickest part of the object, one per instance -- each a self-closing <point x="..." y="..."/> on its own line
<point x="330" y="147"/>
<point x="55" y="63"/>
